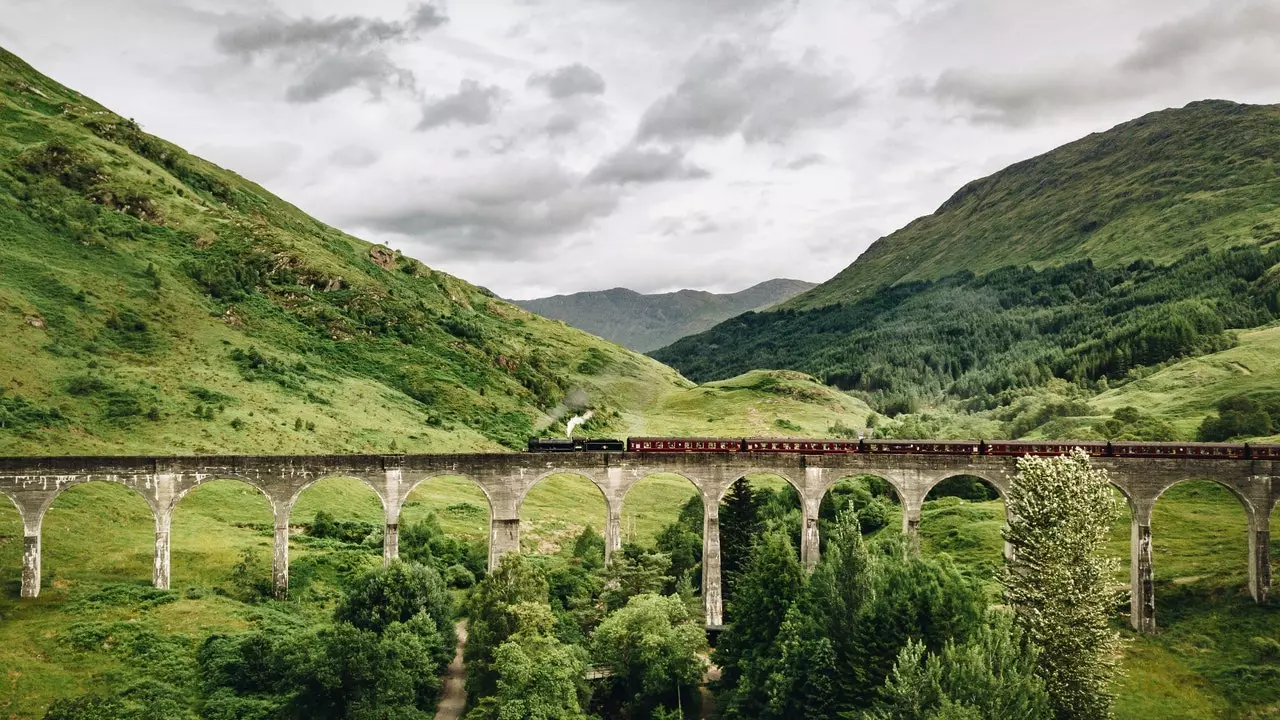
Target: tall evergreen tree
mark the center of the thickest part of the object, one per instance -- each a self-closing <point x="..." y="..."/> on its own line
<point x="740" y="526"/>
<point x="769" y="585"/>
<point x="1060" y="515"/>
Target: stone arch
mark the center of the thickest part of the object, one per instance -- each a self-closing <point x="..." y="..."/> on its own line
<point x="22" y="516"/>
<point x="1251" y="513"/>
<point x="554" y="515"/>
<point x="130" y="543"/>
<point x="968" y="532"/>
<point x="201" y="481"/>
<point x="1000" y="486"/>
<point x="1221" y="540"/>
<point x="193" y="532"/>
<point x="626" y="493"/>
<point x="157" y="515"/>
<point x="833" y="478"/>
<point x="293" y="499"/>
<point x="588" y="475"/>
<point x="742" y="474"/>
<point x="419" y="482"/>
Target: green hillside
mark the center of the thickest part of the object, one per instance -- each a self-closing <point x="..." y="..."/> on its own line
<point x="648" y="322"/>
<point x="1203" y="176"/>
<point x="152" y="302"/>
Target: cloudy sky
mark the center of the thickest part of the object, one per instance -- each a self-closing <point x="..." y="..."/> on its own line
<point x="547" y="146"/>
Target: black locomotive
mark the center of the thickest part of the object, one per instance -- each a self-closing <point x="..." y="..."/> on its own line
<point x="551" y="444"/>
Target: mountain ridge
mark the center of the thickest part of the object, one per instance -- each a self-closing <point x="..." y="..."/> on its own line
<point x="647" y="322"/>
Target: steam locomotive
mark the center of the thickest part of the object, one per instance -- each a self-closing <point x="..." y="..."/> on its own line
<point x="1019" y="448"/>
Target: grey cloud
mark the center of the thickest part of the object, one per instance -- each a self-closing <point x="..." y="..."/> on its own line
<point x="644" y="166"/>
<point x="330" y="54"/>
<point x="1168" y="56"/>
<point x="1172" y="45"/>
<point x="805" y="161"/>
<point x="353" y="156"/>
<point x="473" y="104"/>
<point x="562" y="125"/>
<point x="515" y="213"/>
<point x="731" y="88"/>
<point x="695" y="224"/>
<point x="337" y="73"/>
<point x="570" y="80"/>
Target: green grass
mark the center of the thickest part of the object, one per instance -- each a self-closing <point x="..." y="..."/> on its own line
<point x="1185" y="392"/>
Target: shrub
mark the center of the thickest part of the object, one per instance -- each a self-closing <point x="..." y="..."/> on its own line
<point x="458" y="576"/>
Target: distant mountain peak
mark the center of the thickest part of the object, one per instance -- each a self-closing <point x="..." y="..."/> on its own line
<point x="648" y="322"/>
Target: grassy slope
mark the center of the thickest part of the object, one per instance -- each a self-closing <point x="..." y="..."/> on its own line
<point x="648" y="322"/>
<point x="1184" y="393"/>
<point x="1203" y="664"/>
<point x="1156" y="187"/>
<point x="101" y="246"/>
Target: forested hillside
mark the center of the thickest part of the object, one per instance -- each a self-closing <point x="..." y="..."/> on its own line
<point x="1203" y="176"/>
<point x="648" y="322"/>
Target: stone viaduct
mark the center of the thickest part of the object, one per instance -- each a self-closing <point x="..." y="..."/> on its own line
<point x="33" y="484"/>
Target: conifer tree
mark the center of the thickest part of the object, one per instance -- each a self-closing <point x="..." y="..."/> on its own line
<point x="1060" y="515"/>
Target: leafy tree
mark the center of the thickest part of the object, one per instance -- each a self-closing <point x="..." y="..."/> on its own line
<point x="635" y="572"/>
<point x="1239" y="416"/>
<point x="589" y="548"/>
<point x="535" y="676"/>
<point x="652" y="646"/>
<point x="399" y="593"/>
<point x="493" y="619"/>
<point x="356" y="674"/>
<point x="990" y="677"/>
<point x="1060" y="515"/>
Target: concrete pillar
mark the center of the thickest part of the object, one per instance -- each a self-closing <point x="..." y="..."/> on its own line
<point x="810" y="540"/>
<point x="504" y="537"/>
<point x="31" y="564"/>
<point x="1142" y="593"/>
<point x="160" y="571"/>
<point x="390" y="542"/>
<point x="280" y="556"/>
<point x="1260" y="563"/>
<point x="612" y="532"/>
<point x="394" y="496"/>
<point x="713" y="602"/>
<point x="911" y="524"/>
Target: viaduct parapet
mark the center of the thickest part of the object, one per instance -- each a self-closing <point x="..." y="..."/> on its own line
<point x="32" y="483"/>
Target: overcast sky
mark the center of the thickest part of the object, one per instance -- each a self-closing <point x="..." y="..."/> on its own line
<point x="547" y="146"/>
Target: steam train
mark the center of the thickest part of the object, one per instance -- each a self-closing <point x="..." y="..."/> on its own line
<point x="1246" y="451"/>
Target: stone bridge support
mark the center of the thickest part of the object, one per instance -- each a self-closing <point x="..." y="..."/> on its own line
<point x="712" y="598"/>
<point x="33" y="484"/>
<point x="1142" y="591"/>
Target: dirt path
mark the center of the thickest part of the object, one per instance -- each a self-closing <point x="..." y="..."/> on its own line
<point x="453" y="696"/>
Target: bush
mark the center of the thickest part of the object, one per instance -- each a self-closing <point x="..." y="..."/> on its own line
<point x="1239" y="416"/>
<point x="458" y="576"/>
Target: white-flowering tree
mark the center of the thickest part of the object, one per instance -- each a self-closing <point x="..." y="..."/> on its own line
<point x="1060" y="513"/>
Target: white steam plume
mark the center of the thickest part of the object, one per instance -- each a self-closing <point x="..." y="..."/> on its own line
<point x="575" y="421"/>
